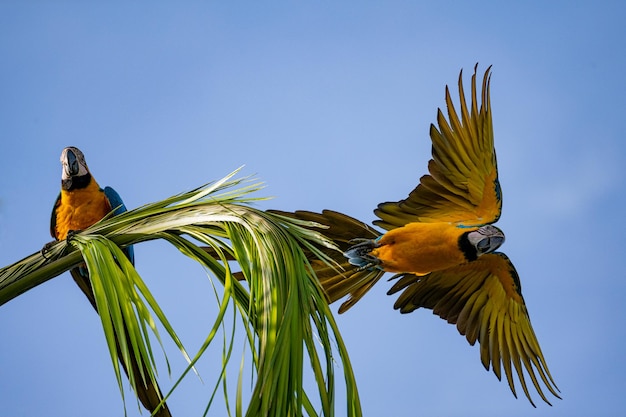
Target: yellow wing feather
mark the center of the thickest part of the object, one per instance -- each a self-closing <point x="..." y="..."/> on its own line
<point x="462" y="186"/>
<point x="483" y="298"/>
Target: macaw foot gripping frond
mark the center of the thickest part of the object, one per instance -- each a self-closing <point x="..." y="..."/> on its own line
<point x="359" y="254"/>
<point x="45" y="251"/>
<point x="71" y="234"/>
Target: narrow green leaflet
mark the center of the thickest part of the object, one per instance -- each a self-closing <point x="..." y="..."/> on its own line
<point x="120" y="293"/>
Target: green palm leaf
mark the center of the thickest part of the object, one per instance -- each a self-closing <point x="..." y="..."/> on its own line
<point x="283" y="309"/>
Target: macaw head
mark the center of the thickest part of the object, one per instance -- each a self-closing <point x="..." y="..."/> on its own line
<point x="75" y="173"/>
<point x="486" y="239"/>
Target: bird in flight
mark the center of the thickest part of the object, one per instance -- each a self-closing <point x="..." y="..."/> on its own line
<point x="442" y="245"/>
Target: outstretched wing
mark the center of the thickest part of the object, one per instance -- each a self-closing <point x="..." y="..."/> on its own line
<point x="341" y="279"/>
<point x="483" y="298"/>
<point x="117" y="206"/>
<point x="463" y="186"/>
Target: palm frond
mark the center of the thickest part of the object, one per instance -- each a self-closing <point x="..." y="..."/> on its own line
<point x="284" y="311"/>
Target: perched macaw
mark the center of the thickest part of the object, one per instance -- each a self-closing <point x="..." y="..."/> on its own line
<point x="80" y="204"/>
<point x="441" y="243"/>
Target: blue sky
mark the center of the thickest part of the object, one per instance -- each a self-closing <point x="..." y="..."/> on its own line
<point x="330" y="106"/>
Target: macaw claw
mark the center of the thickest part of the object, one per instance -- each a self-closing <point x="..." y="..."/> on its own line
<point x="46" y="248"/>
<point x="71" y="234"/>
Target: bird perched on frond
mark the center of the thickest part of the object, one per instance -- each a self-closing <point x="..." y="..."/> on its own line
<point x="80" y="204"/>
<point x="442" y="244"/>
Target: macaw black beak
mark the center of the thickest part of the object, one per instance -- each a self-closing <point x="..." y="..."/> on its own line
<point x="72" y="165"/>
<point x="497" y="241"/>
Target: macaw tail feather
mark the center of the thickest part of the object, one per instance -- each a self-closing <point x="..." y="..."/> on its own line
<point x="341" y="279"/>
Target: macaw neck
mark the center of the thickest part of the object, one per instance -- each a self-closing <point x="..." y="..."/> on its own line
<point x="77" y="182"/>
<point x="469" y="250"/>
<point x="89" y="190"/>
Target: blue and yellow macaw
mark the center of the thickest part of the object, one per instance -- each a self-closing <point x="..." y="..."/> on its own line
<point x="441" y="243"/>
<point x="80" y="204"/>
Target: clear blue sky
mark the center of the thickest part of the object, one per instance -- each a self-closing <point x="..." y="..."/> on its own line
<point x="329" y="105"/>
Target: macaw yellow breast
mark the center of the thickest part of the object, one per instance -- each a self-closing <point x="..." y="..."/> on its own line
<point x="79" y="209"/>
<point x="420" y="248"/>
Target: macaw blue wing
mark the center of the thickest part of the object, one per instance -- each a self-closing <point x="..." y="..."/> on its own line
<point x="53" y="217"/>
<point x="118" y="207"/>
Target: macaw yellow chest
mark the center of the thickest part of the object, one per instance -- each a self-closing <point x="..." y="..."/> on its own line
<point x="420" y="248"/>
<point x="79" y="209"/>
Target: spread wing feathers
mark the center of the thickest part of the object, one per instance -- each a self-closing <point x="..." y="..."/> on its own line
<point x="483" y="298"/>
<point x="463" y="185"/>
<point x="342" y="279"/>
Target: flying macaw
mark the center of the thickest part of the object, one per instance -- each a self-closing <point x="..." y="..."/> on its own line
<point x="80" y="204"/>
<point x="441" y="243"/>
